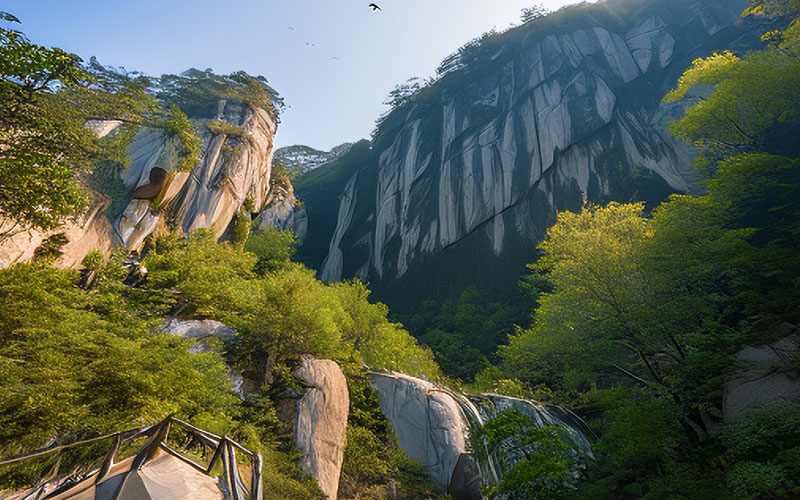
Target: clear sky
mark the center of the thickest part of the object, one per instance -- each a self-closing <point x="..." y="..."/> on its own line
<point x="333" y="61"/>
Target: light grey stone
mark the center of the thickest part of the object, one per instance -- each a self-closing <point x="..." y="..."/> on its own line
<point x="322" y="422"/>
<point x="427" y="421"/>
<point x="767" y="376"/>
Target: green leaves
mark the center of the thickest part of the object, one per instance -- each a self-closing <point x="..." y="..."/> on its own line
<point x="750" y="96"/>
<point x="68" y="371"/>
<point x="544" y="466"/>
<point x="46" y="96"/>
<point x="178" y="125"/>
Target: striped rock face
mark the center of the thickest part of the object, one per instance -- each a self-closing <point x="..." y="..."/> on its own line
<point x="231" y="169"/>
<point x="470" y="174"/>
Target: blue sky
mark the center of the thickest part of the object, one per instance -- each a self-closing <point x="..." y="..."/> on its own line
<point x="330" y="100"/>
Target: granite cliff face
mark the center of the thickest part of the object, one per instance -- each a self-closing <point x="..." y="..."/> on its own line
<point x="235" y="165"/>
<point x="231" y="170"/>
<point x="471" y="171"/>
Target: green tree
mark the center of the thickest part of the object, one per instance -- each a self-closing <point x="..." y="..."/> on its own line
<point x="274" y="249"/>
<point x="69" y="371"/>
<point x="47" y="95"/>
<point x="754" y="105"/>
<point x="543" y="466"/>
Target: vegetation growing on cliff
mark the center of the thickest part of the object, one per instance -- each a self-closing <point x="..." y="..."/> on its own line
<point x="642" y="316"/>
<point x="47" y="154"/>
<point x="198" y="92"/>
<point x="47" y="95"/>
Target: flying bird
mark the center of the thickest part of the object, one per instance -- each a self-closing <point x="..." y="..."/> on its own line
<point x="291" y="28"/>
<point x="375" y="6"/>
<point x="5" y="16"/>
<point x="335" y="58"/>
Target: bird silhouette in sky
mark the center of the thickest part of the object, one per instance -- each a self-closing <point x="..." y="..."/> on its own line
<point x="375" y="6"/>
<point x="291" y="28"/>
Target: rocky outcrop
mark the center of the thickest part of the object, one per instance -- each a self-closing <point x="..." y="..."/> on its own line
<point x="233" y="167"/>
<point x="231" y="170"/>
<point x="283" y="212"/>
<point x="90" y="231"/>
<point x="768" y="376"/>
<point x="428" y="422"/>
<point x="322" y="422"/>
<point x="557" y="112"/>
<point x="433" y="425"/>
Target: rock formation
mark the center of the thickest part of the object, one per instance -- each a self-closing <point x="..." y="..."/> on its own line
<point x="470" y="173"/>
<point x="433" y="425"/>
<point x="283" y="212"/>
<point x="91" y="231"/>
<point x="427" y="421"/>
<point x="322" y="422"/>
<point x="232" y="168"/>
<point x="767" y="376"/>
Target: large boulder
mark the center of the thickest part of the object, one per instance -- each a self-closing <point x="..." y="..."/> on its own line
<point x="768" y="376"/>
<point x="429" y="425"/>
<point x="322" y="422"/>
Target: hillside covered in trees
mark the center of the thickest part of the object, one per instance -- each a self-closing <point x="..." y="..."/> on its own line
<point x="665" y="332"/>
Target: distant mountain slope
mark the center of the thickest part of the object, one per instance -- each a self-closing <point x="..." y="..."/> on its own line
<point x="301" y="159"/>
<point x="462" y="180"/>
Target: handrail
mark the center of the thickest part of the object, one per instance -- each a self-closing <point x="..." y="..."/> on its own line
<point x="159" y="433"/>
<point x="54" y="449"/>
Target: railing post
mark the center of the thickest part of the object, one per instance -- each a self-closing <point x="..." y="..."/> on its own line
<point x="108" y="462"/>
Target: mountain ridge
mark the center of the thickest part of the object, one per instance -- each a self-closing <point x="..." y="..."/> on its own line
<point x="561" y="111"/>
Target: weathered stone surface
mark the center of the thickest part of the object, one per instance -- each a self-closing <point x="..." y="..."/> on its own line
<point x="136" y="224"/>
<point x="103" y="127"/>
<point x="282" y="212"/>
<point x="90" y="231"/>
<point x="322" y="422"/>
<point x="562" y="115"/>
<point x="650" y="40"/>
<point x="767" y="377"/>
<point x="207" y="197"/>
<point x="427" y="421"/>
<point x="332" y="267"/>
<point x="230" y="171"/>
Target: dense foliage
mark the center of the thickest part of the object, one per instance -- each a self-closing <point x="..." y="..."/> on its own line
<point x="464" y="334"/>
<point x="51" y="328"/>
<point x="642" y="315"/>
<point x="47" y="95"/>
<point x="638" y="320"/>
